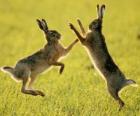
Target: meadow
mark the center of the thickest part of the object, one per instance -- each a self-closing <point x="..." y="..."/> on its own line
<point x="80" y="90"/>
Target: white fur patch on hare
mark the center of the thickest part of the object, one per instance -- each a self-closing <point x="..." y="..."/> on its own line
<point x="132" y="83"/>
<point x="9" y="71"/>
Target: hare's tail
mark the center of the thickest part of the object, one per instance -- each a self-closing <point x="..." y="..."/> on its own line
<point x="7" y="69"/>
<point x="131" y="82"/>
<point x="11" y="72"/>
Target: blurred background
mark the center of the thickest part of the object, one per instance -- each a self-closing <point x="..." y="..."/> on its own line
<point x="79" y="91"/>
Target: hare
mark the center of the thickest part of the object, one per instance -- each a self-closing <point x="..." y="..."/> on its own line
<point x="94" y="42"/>
<point x="28" y="68"/>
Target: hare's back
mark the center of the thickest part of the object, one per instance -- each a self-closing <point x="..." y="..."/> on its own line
<point x="33" y="59"/>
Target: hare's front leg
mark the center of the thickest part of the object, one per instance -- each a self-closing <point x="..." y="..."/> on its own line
<point x="67" y="50"/>
<point x="81" y="38"/>
<point x="81" y="27"/>
<point x="58" y="64"/>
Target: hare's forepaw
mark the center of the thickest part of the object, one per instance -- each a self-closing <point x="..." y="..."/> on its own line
<point x="61" y="69"/>
<point x="71" y="26"/>
<point x="76" y="40"/>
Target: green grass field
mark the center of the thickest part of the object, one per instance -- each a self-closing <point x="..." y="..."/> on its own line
<point x="79" y="91"/>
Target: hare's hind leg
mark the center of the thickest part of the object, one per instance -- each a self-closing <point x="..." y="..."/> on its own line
<point x="32" y="79"/>
<point x="25" y="90"/>
<point x="114" y="94"/>
<point x="31" y="82"/>
<point x="29" y="91"/>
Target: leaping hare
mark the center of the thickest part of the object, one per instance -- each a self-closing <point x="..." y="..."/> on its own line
<point x="28" y="68"/>
<point x="94" y="42"/>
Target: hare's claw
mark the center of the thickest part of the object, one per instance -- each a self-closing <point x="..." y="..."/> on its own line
<point x="61" y="69"/>
<point x="71" y="25"/>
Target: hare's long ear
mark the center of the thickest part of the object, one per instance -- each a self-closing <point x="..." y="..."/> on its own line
<point x="98" y="10"/>
<point x="102" y="11"/>
<point x="39" y="24"/>
<point x="45" y="24"/>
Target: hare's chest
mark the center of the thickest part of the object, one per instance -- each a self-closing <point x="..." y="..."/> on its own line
<point x="94" y="41"/>
<point x="59" y="50"/>
<point x="56" y="53"/>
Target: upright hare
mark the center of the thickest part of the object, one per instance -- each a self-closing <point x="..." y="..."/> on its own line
<point x="94" y="42"/>
<point x="28" y="68"/>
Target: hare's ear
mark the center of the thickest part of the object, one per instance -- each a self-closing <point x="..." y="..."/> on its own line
<point x="45" y="24"/>
<point x="39" y="24"/>
<point x="102" y="11"/>
<point x="98" y="10"/>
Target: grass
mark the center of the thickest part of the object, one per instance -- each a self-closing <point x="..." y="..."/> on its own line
<point x="79" y="91"/>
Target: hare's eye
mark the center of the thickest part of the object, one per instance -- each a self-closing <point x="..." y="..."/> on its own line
<point x="53" y="35"/>
<point x="94" y="23"/>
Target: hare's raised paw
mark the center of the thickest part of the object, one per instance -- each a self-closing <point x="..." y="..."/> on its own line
<point x="78" y="20"/>
<point x="76" y="40"/>
<point x="71" y="25"/>
<point x="61" y="69"/>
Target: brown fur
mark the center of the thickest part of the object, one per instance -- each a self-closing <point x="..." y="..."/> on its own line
<point x="28" y="68"/>
<point x="94" y="42"/>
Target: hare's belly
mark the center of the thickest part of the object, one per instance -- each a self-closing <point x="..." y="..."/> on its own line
<point x="40" y="68"/>
<point x="98" y="63"/>
<point x="99" y="68"/>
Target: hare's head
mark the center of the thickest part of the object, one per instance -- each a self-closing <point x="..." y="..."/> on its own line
<point x="51" y="35"/>
<point x="97" y="23"/>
